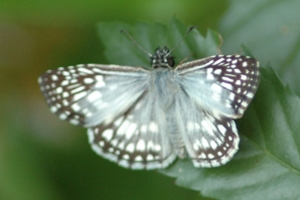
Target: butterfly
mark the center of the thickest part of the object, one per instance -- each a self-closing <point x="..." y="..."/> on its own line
<point x="145" y="119"/>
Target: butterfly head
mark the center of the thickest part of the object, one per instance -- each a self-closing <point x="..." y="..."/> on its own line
<point x="162" y="58"/>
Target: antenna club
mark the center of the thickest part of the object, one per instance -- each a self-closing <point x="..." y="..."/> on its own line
<point x="192" y="27"/>
<point x="140" y="47"/>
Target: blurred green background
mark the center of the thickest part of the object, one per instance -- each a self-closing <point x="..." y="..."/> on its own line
<point x="42" y="157"/>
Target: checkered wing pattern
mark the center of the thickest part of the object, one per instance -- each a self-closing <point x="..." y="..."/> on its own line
<point x="90" y="95"/>
<point x="217" y="89"/>
<point x="138" y="139"/>
<point x="126" y="123"/>
<point x="222" y="85"/>
<point x="210" y="141"/>
<point x="143" y="119"/>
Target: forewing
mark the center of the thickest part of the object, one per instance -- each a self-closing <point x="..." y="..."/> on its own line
<point x="210" y="141"/>
<point x="92" y="94"/>
<point x="138" y="139"/>
<point x="222" y="85"/>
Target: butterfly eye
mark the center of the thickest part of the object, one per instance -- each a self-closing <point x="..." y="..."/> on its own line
<point x="162" y="58"/>
<point x="171" y="61"/>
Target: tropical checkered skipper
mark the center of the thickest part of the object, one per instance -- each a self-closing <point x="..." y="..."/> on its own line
<point x="144" y="119"/>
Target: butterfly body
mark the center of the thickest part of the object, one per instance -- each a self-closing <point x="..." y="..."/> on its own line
<point x="144" y="119"/>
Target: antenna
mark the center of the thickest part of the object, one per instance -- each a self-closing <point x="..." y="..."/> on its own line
<point x="135" y="42"/>
<point x="184" y="36"/>
<point x="149" y="54"/>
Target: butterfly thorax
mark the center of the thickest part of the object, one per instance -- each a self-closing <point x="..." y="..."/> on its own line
<point x="162" y="58"/>
<point x="166" y="90"/>
<point x="165" y="86"/>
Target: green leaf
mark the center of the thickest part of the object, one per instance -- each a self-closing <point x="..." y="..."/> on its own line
<point x="267" y="166"/>
<point x="271" y="30"/>
<point x="119" y="49"/>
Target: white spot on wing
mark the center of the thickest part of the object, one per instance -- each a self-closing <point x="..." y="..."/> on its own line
<point x="62" y="116"/>
<point x="130" y="148"/>
<point x="210" y="156"/>
<point x="78" y="89"/>
<point x="107" y="134"/>
<point x="227" y="79"/>
<point x="95" y="95"/>
<point x="118" y="121"/>
<point x="123" y="127"/>
<point x="141" y="146"/>
<point x="130" y="130"/>
<point x="138" y="158"/>
<point x="238" y="82"/>
<point x="243" y="77"/>
<point x="143" y="128"/>
<point x="121" y="145"/>
<point x="213" y="144"/>
<point x="65" y="83"/>
<point x="250" y="95"/>
<point x="53" y="109"/>
<point x="59" y="90"/>
<point x="207" y="126"/>
<point x="88" y="80"/>
<point x="65" y="102"/>
<point x="84" y="70"/>
<point x="54" y="77"/>
<point x="65" y="94"/>
<point x="157" y="147"/>
<point x="76" y="107"/>
<point x="99" y="81"/>
<point x="244" y="103"/>
<point x="222" y="129"/>
<point x="218" y="71"/>
<point x="209" y="76"/>
<point x="78" y="96"/>
<point x="150" y="157"/>
<point x="231" y="96"/>
<point x="218" y="61"/>
<point x="227" y="85"/>
<point x="153" y="127"/>
<point x="204" y="143"/>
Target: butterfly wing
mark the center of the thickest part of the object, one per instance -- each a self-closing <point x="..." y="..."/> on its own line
<point x="222" y="85"/>
<point x="128" y="124"/>
<point x="89" y="95"/>
<point x="216" y="90"/>
<point x="210" y="141"/>
<point x="138" y="139"/>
